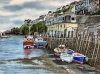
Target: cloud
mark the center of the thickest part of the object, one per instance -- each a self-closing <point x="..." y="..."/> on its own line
<point x="8" y="26"/>
<point x="4" y="1"/>
<point x="29" y="5"/>
<point x="31" y="14"/>
<point x="16" y="2"/>
<point x="14" y="12"/>
<point x="18" y="22"/>
<point x="5" y="13"/>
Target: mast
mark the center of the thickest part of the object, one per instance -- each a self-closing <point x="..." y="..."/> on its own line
<point x="29" y="22"/>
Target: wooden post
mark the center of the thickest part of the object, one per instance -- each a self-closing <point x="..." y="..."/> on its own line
<point x="97" y="52"/>
<point x="92" y="56"/>
<point x="87" y="43"/>
<point x="82" y="44"/>
<point x="76" y="39"/>
<point x="73" y="40"/>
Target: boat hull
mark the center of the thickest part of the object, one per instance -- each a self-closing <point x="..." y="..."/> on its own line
<point x="57" y="54"/>
<point x="66" y="57"/>
<point x="79" y="59"/>
<point x="28" y="43"/>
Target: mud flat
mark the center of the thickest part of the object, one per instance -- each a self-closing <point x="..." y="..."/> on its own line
<point x="49" y="63"/>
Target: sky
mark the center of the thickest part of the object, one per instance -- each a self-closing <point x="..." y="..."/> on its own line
<point x="14" y="12"/>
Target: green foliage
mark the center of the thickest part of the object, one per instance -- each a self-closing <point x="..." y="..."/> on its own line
<point x="39" y="27"/>
<point x="24" y="29"/>
<point x="58" y="11"/>
<point x="17" y="30"/>
<point x="64" y="10"/>
<point x="97" y="13"/>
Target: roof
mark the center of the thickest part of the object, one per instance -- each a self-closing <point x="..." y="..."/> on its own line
<point x="73" y="3"/>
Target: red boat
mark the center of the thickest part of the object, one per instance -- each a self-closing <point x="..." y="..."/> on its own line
<point x="28" y="41"/>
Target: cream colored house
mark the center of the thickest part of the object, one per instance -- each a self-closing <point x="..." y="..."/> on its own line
<point x="63" y="24"/>
<point x="73" y="9"/>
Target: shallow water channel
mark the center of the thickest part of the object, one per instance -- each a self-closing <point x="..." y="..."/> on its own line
<point x="15" y="60"/>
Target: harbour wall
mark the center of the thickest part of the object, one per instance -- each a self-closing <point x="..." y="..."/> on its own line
<point x="87" y="45"/>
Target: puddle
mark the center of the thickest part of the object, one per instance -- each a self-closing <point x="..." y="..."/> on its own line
<point x="37" y="62"/>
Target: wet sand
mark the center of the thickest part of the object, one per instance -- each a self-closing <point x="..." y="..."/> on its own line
<point x="42" y="62"/>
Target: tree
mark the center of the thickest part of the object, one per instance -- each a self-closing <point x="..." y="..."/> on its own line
<point x="17" y="30"/>
<point x="33" y="28"/>
<point x="97" y="13"/>
<point x="39" y="27"/>
<point x="24" y="29"/>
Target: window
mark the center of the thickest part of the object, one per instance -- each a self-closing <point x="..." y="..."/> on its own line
<point x="60" y="25"/>
<point x="64" y="25"/>
<point x="72" y="18"/>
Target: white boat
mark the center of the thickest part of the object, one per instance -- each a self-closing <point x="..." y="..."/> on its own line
<point x="73" y="56"/>
<point x="5" y="36"/>
<point x="66" y="57"/>
<point x="39" y="39"/>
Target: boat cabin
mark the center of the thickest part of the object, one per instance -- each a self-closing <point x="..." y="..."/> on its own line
<point x="28" y="41"/>
<point x="39" y="39"/>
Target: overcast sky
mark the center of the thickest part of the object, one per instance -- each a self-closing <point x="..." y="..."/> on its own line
<point x="14" y="12"/>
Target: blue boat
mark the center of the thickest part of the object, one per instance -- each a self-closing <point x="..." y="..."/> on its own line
<point x="80" y="58"/>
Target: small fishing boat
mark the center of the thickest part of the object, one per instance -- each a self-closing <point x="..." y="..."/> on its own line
<point x="67" y="56"/>
<point x="28" y="41"/>
<point x="4" y="36"/>
<point x="39" y="42"/>
<point x="38" y="39"/>
<point x="59" y="50"/>
<point x="73" y="56"/>
<point x="80" y="58"/>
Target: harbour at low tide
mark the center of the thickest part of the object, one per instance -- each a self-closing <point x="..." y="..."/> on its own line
<point x="13" y="58"/>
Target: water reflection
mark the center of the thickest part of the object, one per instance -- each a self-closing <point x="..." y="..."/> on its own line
<point x="12" y="49"/>
<point x="30" y="52"/>
<point x="27" y="51"/>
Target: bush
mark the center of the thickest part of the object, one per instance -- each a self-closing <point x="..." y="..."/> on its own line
<point x="97" y="13"/>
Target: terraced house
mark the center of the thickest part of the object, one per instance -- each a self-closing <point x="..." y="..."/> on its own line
<point x="87" y="6"/>
<point x="61" y="25"/>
